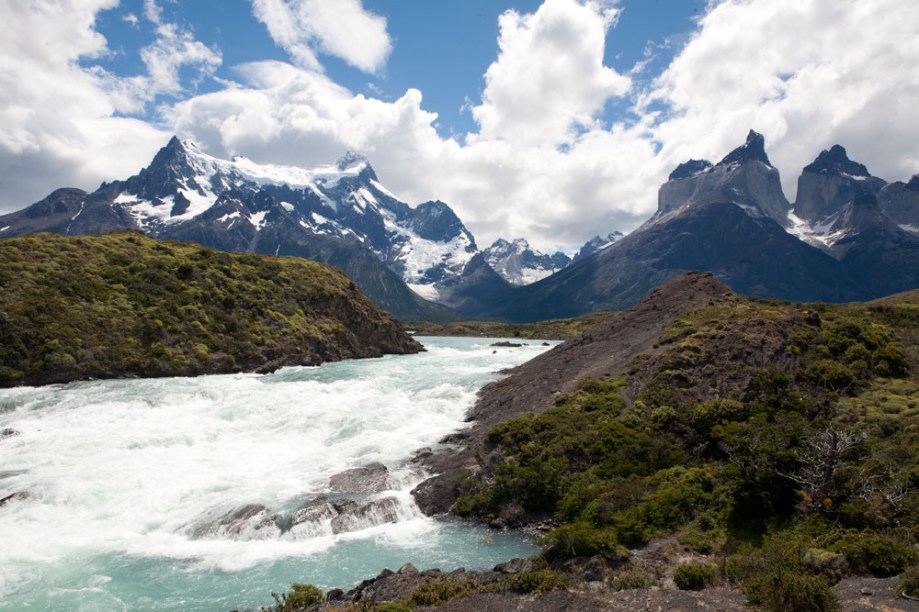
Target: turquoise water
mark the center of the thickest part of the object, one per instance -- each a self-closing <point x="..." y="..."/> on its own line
<point x="118" y="474"/>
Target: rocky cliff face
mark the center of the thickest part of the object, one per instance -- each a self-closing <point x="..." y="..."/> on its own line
<point x="745" y="177"/>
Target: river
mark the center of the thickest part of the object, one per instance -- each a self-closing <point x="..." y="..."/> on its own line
<point x="125" y="485"/>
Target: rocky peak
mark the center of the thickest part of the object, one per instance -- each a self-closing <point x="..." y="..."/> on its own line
<point x="744" y="177"/>
<point x="597" y="243"/>
<point x="836" y="161"/>
<point x="435" y="220"/>
<point x="754" y="149"/>
<point x="913" y="184"/>
<point x="349" y="159"/>
<point x="690" y="169"/>
<point x="830" y="183"/>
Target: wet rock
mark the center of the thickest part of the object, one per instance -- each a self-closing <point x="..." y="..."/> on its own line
<point x="437" y="494"/>
<point x="507" y="344"/>
<point x="248" y="522"/>
<point x="19" y="495"/>
<point x="368" y="479"/>
<point x="515" y="566"/>
<point x="6" y="432"/>
<point x="312" y="520"/>
<point x="343" y="505"/>
<point x="368" y="515"/>
<point x="421" y="454"/>
<point x="335" y="595"/>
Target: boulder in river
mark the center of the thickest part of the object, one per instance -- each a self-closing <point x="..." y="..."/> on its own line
<point x="370" y="478"/>
<point x="367" y="515"/>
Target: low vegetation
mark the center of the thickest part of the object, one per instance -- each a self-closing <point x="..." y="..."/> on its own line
<point x="776" y="443"/>
<point x="123" y="304"/>
<point x="555" y="329"/>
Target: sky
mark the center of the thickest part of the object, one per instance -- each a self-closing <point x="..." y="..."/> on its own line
<point x="553" y="120"/>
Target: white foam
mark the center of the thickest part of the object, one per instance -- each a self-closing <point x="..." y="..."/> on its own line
<point x="118" y="468"/>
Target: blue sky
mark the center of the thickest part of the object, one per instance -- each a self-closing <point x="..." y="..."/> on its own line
<point x="554" y="120"/>
<point x="440" y="48"/>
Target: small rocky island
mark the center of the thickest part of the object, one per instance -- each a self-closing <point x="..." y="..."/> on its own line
<point x="125" y="305"/>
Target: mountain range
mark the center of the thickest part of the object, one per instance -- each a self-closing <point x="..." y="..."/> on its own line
<point x="848" y="236"/>
<point x="402" y="257"/>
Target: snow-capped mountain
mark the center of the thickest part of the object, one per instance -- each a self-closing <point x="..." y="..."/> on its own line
<point x="519" y="264"/>
<point x="239" y="205"/>
<point x="597" y="243"/>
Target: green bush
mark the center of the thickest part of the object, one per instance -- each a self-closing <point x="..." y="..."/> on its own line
<point x="868" y="552"/>
<point x="390" y="606"/>
<point x="786" y="589"/>
<point x="909" y="582"/>
<point x="538" y="581"/>
<point x="632" y="579"/>
<point x="830" y="374"/>
<point x="582" y="539"/>
<point x="694" y="576"/>
<point x="440" y="592"/>
<point x="299" y="597"/>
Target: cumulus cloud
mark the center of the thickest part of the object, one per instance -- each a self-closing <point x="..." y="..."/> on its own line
<point x="56" y="119"/>
<point x="549" y="79"/>
<point x="59" y="114"/>
<point x="806" y="73"/>
<point x="338" y="27"/>
<point x="173" y="49"/>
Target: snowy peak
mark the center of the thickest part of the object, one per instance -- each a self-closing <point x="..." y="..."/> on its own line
<point x="350" y="159"/>
<point x="598" y="243"/>
<point x="836" y="161"/>
<point x="519" y="264"/>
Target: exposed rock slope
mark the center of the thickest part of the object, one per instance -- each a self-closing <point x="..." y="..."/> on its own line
<point x="604" y="349"/>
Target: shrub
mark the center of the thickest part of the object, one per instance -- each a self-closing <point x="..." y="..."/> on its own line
<point x="830" y="375"/>
<point x="786" y="589"/>
<point x="390" y="606"/>
<point x="582" y="539"/>
<point x="437" y="593"/>
<point x="300" y="597"/>
<point x="632" y="579"/>
<point x="694" y="576"/>
<point x="873" y="553"/>
<point x="538" y="581"/>
<point x="704" y="542"/>
<point x="909" y="582"/>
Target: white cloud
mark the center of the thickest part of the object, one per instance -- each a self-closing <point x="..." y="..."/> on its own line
<point x="58" y="122"/>
<point x="338" y="27"/>
<point x="805" y="73"/>
<point x="549" y="78"/>
<point x="173" y="49"/>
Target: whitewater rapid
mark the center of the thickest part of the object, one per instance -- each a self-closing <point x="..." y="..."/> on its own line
<point x="114" y="477"/>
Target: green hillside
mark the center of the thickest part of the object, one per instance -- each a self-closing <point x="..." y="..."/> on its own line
<point x="123" y="304"/>
<point x="775" y="445"/>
